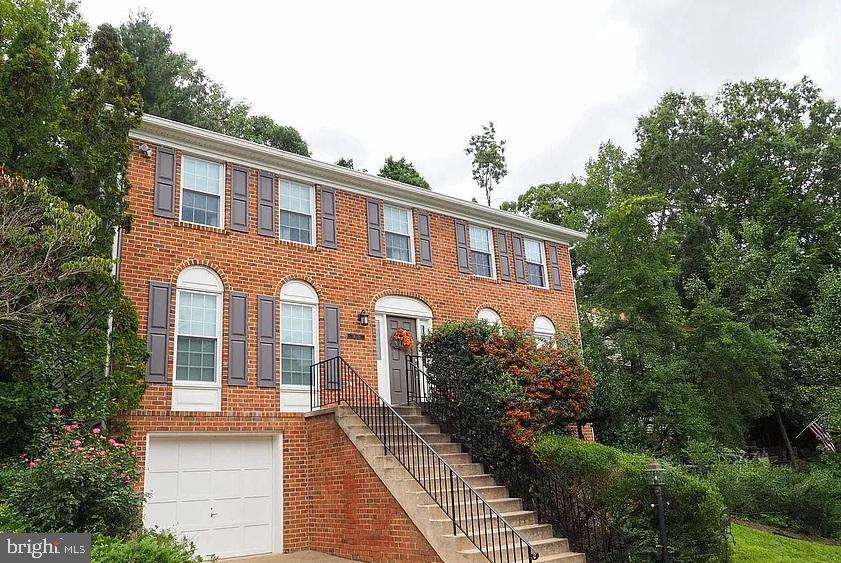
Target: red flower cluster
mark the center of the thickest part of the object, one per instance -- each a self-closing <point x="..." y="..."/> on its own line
<point x="553" y="384"/>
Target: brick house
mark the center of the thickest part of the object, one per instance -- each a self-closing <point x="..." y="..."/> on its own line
<point x="248" y="265"/>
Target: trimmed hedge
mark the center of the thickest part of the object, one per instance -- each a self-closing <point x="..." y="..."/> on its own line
<point x="805" y="500"/>
<point x="617" y="484"/>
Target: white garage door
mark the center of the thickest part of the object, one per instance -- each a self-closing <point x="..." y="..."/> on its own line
<point x="218" y="491"/>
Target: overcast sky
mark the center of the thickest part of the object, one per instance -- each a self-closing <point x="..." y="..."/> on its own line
<point x="416" y="79"/>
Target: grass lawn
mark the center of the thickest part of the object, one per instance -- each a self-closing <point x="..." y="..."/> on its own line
<point x="756" y="546"/>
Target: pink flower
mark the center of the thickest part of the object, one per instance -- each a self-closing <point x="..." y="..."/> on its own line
<point x="71" y="427"/>
<point x="57" y="410"/>
<point x="34" y="463"/>
<point x="77" y="443"/>
<point x="97" y="431"/>
<point x="112" y="442"/>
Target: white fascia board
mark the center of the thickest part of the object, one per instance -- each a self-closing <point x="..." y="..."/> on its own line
<point x="158" y="130"/>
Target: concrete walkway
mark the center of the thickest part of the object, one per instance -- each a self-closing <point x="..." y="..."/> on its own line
<point x="297" y="557"/>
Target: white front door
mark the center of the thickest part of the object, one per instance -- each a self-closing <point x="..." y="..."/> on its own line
<point x="217" y="491"/>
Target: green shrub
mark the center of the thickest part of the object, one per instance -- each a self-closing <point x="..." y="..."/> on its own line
<point x="617" y="484"/>
<point x="84" y="482"/>
<point x="804" y="500"/>
<point x="509" y="377"/>
<point x="149" y="546"/>
<point x="10" y="521"/>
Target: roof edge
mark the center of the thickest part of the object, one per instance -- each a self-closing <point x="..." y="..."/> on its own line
<point x="159" y="130"/>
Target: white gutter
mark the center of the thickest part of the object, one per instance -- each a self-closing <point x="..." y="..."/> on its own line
<point x="158" y="130"/>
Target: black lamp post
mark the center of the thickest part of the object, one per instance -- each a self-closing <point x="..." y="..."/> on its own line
<point x="655" y="480"/>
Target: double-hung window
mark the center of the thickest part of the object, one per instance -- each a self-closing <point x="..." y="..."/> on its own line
<point x="202" y="184"/>
<point x="298" y="323"/>
<point x="481" y="251"/>
<point x="297" y="208"/>
<point x="198" y="327"/>
<point x="535" y="262"/>
<point x="398" y="233"/>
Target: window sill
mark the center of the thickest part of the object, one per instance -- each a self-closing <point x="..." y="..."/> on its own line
<point x="197" y="385"/>
<point x="401" y="263"/>
<point x="200" y="227"/>
<point x="304" y="245"/>
<point x="538" y="287"/>
<point x="484" y="278"/>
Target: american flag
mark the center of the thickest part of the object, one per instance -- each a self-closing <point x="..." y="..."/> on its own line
<point x="820" y="433"/>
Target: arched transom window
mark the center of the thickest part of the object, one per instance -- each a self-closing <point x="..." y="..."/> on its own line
<point x="544" y="329"/>
<point x="198" y="326"/>
<point x="489" y="316"/>
<point x="298" y="332"/>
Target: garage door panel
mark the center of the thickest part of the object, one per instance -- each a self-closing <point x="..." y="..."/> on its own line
<point x="163" y="457"/>
<point x="257" y="535"/>
<point x="257" y="455"/>
<point x="194" y="454"/>
<point x="194" y="485"/>
<point x="258" y="509"/>
<point x="194" y="514"/>
<point x="256" y="482"/>
<point x="164" y="486"/>
<point x="161" y="514"/>
<point x="231" y="477"/>
<point x="227" y="483"/>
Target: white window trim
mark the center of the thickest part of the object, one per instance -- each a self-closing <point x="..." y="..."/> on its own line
<point x="222" y="194"/>
<point x="217" y="383"/>
<point x="411" y="235"/>
<point x="542" y="261"/>
<point x="491" y="251"/>
<point x="313" y="230"/>
<point x="498" y="320"/>
<point x="315" y="342"/>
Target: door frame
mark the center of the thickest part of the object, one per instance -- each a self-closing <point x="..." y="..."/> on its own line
<point x="400" y="306"/>
<point x="277" y="472"/>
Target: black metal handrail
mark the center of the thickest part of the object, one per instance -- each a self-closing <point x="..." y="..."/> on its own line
<point x="568" y="511"/>
<point x="335" y="382"/>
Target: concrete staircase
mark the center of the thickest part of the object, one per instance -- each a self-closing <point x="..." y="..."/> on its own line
<point x="428" y="516"/>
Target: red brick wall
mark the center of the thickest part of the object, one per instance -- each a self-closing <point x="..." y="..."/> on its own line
<point x="157" y="249"/>
<point x="353" y="514"/>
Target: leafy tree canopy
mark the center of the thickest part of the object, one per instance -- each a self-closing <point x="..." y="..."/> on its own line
<point x="706" y="264"/>
<point x="488" y="159"/>
<point x="402" y="171"/>
<point x="176" y="87"/>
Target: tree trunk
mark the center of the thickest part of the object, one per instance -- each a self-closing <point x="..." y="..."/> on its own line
<point x="784" y="434"/>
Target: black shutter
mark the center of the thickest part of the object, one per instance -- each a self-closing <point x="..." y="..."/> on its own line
<point x="266" y="204"/>
<point x="554" y="266"/>
<point x="328" y="217"/>
<point x="157" y="336"/>
<point x="164" y="199"/>
<point x="519" y="262"/>
<point x="504" y="258"/>
<point x="239" y="199"/>
<point x="462" y="252"/>
<point x="375" y="237"/>
<point x="266" y="351"/>
<point x="238" y="339"/>
<point x="425" y="238"/>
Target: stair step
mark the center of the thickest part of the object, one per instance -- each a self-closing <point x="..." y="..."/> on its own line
<point x="531" y="532"/>
<point x="546" y="546"/>
<point x="514" y="518"/>
<point x="491" y="492"/>
<point x="568" y="557"/>
<point x="480" y="480"/>
<point x="396" y="430"/>
<point x="431" y="439"/>
<point x="501" y="505"/>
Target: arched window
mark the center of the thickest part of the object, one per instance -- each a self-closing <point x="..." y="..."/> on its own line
<point x="544" y="330"/>
<point x="198" y="326"/>
<point x="298" y="332"/>
<point x="489" y="316"/>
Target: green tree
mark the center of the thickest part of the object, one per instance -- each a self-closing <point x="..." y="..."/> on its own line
<point x="177" y="88"/>
<point x="488" y="159"/>
<point x="402" y="171"/>
<point x="345" y="162"/>
<point x="65" y="127"/>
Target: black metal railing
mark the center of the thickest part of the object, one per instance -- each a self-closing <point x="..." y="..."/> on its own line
<point x="335" y="382"/>
<point x="568" y="510"/>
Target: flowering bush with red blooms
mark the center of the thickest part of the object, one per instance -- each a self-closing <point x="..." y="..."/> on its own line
<point x="531" y="389"/>
<point x="84" y="481"/>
